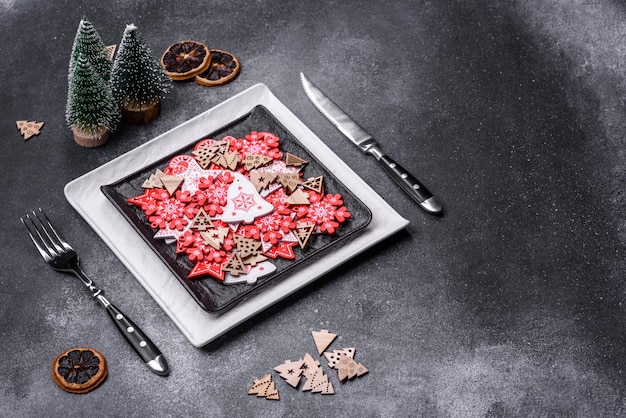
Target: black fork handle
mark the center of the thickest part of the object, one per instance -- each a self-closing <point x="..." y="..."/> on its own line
<point x="136" y="338"/>
<point x="139" y="341"/>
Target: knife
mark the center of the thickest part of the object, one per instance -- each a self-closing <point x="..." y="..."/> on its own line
<point x="366" y="143"/>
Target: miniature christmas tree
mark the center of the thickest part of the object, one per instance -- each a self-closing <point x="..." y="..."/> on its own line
<point x="91" y="112"/>
<point x="137" y="80"/>
<point x="88" y="43"/>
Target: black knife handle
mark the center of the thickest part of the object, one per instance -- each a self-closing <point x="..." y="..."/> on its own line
<point x="411" y="186"/>
<point x="139" y="341"/>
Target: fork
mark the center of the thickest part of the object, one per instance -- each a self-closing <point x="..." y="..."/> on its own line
<point x="61" y="256"/>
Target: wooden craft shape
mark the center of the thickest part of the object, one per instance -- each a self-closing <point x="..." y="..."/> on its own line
<point x="247" y="246"/>
<point x="203" y="156"/>
<point x="264" y="388"/>
<point x="318" y="382"/>
<point x="201" y="221"/>
<point x="289" y="180"/>
<point x="154" y="181"/>
<point x="234" y="265"/>
<point x="315" y="183"/>
<point x="252" y="161"/>
<point x="215" y="237"/>
<point x="110" y="50"/>
<point x="334" y="357"/>
<point x="253" y="260"/>
<point x="262" y="179"/>
<point x="171" y="183"/>
<point x="28" y="129"/>
<point x="323" y="339"/>
<point x="294" y="161"/>
<point x="291" y="372"/>
<point x="231" y="159"/>
<point x="309" y="365"/>
<point x="348" y="368"/>
<point x="210" y="153"/>
<point x="303" y="233"/>
<point x="298" y="197"/>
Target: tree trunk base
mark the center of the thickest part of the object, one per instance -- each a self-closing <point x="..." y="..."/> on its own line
<point x="90" y="141"/>
<point x="142" y="114"/>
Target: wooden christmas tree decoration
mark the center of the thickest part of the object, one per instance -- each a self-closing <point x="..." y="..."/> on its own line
<point x="154" y="181"/>
<point x="253" y="260"/>
<point x="303" y="233"/>
<point x="289" y="180"/>
<point x="234" y="265"/>
<point x="110" y="50"/>
<point x="171" y="183"/>
<point x="247" y="246"/>
<point x="203" y="155"/>
<point x="213" y="153"/>
<point x="291" y="372"/>
<point x="272" y="392"/>
<point x="201" y="221"/>
<point x="317" y="382"/>
<point x="261" y="179"/>
<point x="264" y="388"/>
<point x="334" y="357"/>
<point x="315" y="183"/>
<point x="309" y="365"/>
<point x="298" y="197"/>
<point x="215" y="237"/>
<point x="228" y="160"/>
<point x="29" y="128"/>
<point x="221" y="147"/>
<point x="252" y="161"/>
<point x="348" y="368"/>
<point x="294" y="161"/>
<point x="260" y="385"/>
<point x="343" y="361"/>
<point x="249" y="162"/>
<point x="323" y="339"/>
<point x="231" y="158"/>
<point x="324" y="387"/>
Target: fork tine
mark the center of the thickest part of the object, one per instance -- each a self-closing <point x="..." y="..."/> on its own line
<point x="59" y="241"/>
<point x="41" y="245"/>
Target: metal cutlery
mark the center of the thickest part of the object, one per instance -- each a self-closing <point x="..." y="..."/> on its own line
<point x="364" y="141"/>
<point x="61" y="256"/>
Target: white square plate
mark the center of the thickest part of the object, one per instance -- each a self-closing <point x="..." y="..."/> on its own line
<point x="199" y="326"/>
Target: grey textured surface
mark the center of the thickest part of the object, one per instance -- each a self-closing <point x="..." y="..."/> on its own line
<point x="510" y="305"/>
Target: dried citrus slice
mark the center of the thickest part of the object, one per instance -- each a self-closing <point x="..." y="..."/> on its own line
<point x="224" y="67"/>
<point x="79" y="370"/>
<point x="185" y="59"/>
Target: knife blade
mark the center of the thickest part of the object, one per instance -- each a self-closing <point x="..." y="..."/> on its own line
<point x="366" y="143"/>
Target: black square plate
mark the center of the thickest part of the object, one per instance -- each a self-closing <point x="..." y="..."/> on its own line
<point x="208" y="292"/>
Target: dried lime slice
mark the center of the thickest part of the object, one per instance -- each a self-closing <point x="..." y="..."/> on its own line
<point x="224" y="67"/>
<point x="79" y="370"/>
<point x="185" y="59"/>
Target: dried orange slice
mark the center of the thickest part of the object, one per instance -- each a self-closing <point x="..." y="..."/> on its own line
<point x="224" y="67"/>
<point x="79" y="370"/>
<point x="185" y="59"/>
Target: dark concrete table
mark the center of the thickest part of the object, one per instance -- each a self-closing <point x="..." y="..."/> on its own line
<point x="509" y="305"/>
